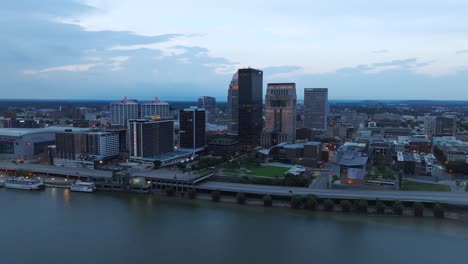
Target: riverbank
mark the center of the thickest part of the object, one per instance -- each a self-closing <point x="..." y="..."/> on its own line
<point x="451" y="213"/>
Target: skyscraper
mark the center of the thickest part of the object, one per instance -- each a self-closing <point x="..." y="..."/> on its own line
<point x="149" y="138"/>
<point x="280" y="114"/>
<point x="233" y="102"/>
<point x="250" y="105"/>
<point x="209" y="104"/>
<point x="192" y="132"/>
<point x="123" y="110"/>
<point x="153" y="108"/>
<point x="316" y="108"/>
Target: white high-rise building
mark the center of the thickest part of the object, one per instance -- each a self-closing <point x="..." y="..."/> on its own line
<point x="102" y="145"/>
<point x="123" y="110"/>
<point x="316" y="108"/>
<point x="154" y="108"/>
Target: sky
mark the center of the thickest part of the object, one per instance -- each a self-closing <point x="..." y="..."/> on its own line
<point x="182" y="49"/>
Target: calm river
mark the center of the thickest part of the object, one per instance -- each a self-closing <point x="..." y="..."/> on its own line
<point x="58" y="226"/>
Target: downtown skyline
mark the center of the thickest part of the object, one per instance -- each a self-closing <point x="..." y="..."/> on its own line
<point x="111" y="49"/>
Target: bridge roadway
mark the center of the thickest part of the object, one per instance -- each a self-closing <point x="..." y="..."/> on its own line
<point x="408" y="196"/>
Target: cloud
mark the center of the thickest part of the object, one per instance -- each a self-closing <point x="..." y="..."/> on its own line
<point x="64" y="68"/>
<point x="410" y="64"/>
<point x="380" y="51"/>
<point x="462" y="51"/>
<point x="391" y="81"/>
<point x="281" y="69"/>
<point x="47" y="51"/>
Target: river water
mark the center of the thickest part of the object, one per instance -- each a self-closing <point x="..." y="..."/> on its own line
<point x="59" y="226"/>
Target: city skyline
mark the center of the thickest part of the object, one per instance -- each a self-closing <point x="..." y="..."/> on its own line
<point x="368" y="51"/>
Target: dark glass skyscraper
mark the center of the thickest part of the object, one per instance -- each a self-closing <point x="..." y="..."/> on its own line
<point x="192" y="133"/>
<point x="149" y="138"/>
<point x="250" y="105"/>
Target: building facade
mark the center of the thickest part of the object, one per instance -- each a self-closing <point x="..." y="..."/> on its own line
<point x="24" y="144"/>
<point x="102" y="145"/>
<point x="149" y="138"/>
<point x="123" y="110"/>
<point x="154" y="108"/>
<point x="84" y="149"/>
<point x="209" y="104"/>
<point x="444" y="126"/>
<point x="250" y="108"/>
<point x="233" y="104"/>
<point x="280" y="114"/>
<point x="225" y="147"/>
<point x="192" y="128"/>
<point x="69" y="145"/>
<point x="316" y="108"/>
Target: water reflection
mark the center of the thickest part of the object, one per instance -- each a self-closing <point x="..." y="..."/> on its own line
<point x="66" y="197"/>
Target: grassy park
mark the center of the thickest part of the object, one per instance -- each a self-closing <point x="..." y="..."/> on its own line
<point x="423" y="186"/>
<point x="267" y="171"/>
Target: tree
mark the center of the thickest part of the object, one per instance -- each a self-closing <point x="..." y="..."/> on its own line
<point x="439" y="154"/>
<point x="241" y="198"/>
<point x="380" y="207"/>
<point x="418" y="209"/>
<point x="170" y="191"/>
<point x="157" y="164"/>
<point x="296" y="180"/>
<point x="296" y="201"/>
<point x="466" y="187"/>
<point x="21" y="172"/>
<point x="362" y="206"/>
<point x="457" y="167"/>
<point x="335" y="178"/>
<point x="397" y="208"/>
<point x="267" y="200"/>
<point x="215" y="196"/>
<point x="328" y="205"/>
<point x="192" y="194"/>
<point x="311" y="202"/>
<point x="345" y="206"/>
<point x="439" y="210"/>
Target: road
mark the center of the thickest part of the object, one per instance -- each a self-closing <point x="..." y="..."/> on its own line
<point x="325" y="173"/>
<point x="410" y="196"/>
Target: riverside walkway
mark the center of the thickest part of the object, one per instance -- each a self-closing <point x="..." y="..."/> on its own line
<point x="407" y="196"/>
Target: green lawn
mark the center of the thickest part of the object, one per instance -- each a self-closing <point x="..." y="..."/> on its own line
<point x="269" y="171"/>
<point x="422" y="186"/>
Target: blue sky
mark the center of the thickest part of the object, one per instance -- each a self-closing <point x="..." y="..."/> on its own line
<point x="94" y="49"/>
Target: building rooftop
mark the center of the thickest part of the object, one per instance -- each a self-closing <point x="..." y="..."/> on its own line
<point x="223" y="141"/>
<point x="77" y="172"/>
<point x="155" y="101"/>
<point x="313" y="143"/>
<point x="18" y="132"/>
<point x="354" y="161"/>
<point x="169" y="156"/>
<point x="415" y="138"/>
<point x="127" y="101"/>
<point x="293" y="146"/>
<point x="166" y="174"/>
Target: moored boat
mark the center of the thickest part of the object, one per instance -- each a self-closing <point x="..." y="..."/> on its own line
<point x="24" y="183"/>
<point x="80" y="186"/>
